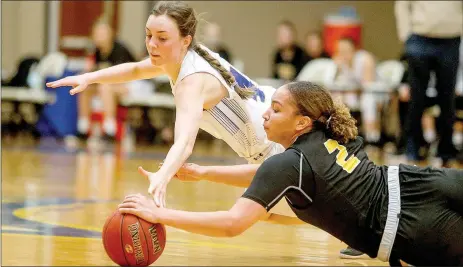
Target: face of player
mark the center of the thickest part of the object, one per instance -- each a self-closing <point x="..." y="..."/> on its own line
<point x="163" y="41"/>
<point x="282" y="120"/>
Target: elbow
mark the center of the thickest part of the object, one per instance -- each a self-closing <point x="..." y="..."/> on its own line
<point x="234" y="227"/>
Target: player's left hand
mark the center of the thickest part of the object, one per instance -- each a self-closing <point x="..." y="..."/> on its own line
<point x="140" y="206"/>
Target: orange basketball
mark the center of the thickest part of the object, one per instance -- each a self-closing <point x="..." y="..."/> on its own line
<point x="131" y="241"/>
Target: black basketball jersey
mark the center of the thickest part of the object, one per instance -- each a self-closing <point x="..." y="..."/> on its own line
<point x="332" y="186"/>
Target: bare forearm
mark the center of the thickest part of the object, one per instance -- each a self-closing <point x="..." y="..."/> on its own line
<point x="116" y="74"/>
<point x="215" y="224"/>
<point x="125" y="72"/>
<point x="236" y="175"/>
<point x="177" y="155"/>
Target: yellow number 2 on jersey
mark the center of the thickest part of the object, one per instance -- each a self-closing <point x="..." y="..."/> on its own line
<point x="347" y="165"/>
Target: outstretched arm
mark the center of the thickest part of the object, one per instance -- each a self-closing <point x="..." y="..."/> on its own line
<point x="189" y="100"/>
<point x="233" y="222"/>
<point x="116" y="74"/>
<point x="125" y="72"/>
<point x="238" y="175"/>
<point x="229" y="223"/>
<point x="235" y="175"/>
<point x="268" y="186"/>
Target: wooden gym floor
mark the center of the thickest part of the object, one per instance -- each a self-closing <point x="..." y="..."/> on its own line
<point x="55" y="202"/>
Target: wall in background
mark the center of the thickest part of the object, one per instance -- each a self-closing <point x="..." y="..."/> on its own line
<point x="23" y="31"/>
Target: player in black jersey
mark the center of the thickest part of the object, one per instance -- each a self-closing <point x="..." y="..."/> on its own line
<point x="393" y="213"/>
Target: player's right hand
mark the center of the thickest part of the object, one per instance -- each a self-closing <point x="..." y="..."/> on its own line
<point x="158" y="186"/>
<point x="189" y="172"/>
<point x="78" y="83"/>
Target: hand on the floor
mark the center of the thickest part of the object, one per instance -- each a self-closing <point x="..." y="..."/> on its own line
<point x="157" y="186"/>
<point x="78" y="83"/>
<point x="140" y="206"/>
<point x="189" y="172"/>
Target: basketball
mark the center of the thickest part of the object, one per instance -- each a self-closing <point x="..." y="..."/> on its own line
<point x="131" y="241"/>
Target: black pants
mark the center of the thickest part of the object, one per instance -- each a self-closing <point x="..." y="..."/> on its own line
<point x="441" y="56"/>
<point x="403" y="112"/>
<point x="431" y="224"/>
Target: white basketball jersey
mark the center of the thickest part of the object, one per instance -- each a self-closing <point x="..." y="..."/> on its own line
<point x="236" y="121"/>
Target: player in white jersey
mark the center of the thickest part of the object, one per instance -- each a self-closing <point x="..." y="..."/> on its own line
<point x="209" y="94"/>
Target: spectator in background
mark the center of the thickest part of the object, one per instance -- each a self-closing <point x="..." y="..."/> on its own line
<point x="358" y="67"/>
<point x="428" y="129"/>
<point x="289" y="59"/>
<point x="314" y="47"/>
<point x="213" y="40"/>
<point x="107" y="52"/>
<point x="432" y="33"/>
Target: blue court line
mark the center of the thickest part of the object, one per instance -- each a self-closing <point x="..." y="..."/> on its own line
<point x="45" y="229"/>
<point x="8" y="219"/>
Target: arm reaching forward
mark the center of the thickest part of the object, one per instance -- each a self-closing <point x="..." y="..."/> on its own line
<point x="116" y="74"/>
<point x="229" y="223"/>
<point x="189" y="101"/>
<point x="235" y="175"/>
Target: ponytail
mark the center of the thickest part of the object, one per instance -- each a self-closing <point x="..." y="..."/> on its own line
<point x="244" y="93"/>
<point x="340" y="124"/>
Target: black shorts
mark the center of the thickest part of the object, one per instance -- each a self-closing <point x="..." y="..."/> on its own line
<point x="431" y="224"/>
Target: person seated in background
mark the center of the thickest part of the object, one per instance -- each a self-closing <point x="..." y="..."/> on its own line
<point x="289" y="57"/>
<point x="314" y="47"/>
<point x="212" y="39"/>
<point x="358" y="67"/>
<point x="107" y="51"/>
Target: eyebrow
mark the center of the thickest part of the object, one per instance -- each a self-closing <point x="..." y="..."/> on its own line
<point x="157" y="31"/>
<point x="276" y="102"/>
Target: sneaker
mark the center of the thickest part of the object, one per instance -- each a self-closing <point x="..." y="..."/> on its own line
<point x="350" y="253"/>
